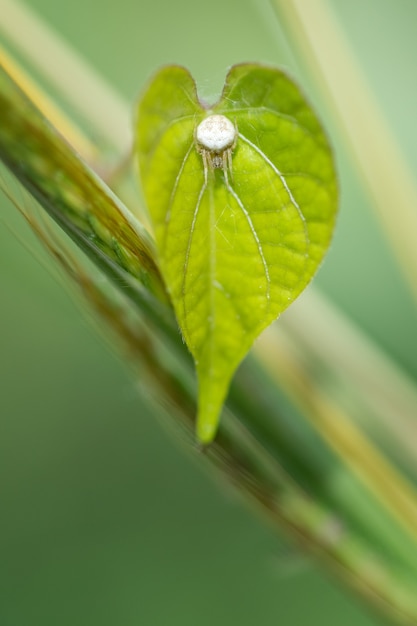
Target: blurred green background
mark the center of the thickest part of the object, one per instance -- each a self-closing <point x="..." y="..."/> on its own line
<point x="104" y="520"/>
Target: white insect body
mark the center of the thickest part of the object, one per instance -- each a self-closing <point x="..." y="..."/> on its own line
<point x="216" y="138"/>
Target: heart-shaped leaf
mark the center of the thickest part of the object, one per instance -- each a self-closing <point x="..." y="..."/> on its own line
<point x="243" y="210"/>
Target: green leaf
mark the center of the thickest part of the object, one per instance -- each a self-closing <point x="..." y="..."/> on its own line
<point x="239" y="232"/>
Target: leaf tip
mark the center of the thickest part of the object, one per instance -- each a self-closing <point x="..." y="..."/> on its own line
<point x="207" y="425"/>
<point x="210" y="402"/>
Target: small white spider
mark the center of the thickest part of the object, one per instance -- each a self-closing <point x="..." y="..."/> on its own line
<point x="216" y="138"/>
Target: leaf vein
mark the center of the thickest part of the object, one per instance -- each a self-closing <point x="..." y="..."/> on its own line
<point x="174" y="192"/>
<point x="284" y="116"/>
<point x="283" y="181"/>
<point x="255" y="236"/>
<point x="187" y="254"/>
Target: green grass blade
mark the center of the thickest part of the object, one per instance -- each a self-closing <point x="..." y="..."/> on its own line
<point x="75" y="197"/>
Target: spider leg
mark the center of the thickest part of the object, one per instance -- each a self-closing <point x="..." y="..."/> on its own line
<point x="230" y="162"/>
<point x="206" y="158"/>
<point x="225" y="164"/>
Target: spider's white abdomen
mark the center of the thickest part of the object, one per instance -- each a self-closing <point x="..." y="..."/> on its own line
<point x="216" y="133"/>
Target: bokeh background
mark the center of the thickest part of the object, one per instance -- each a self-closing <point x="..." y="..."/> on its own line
<point x="103" y="519"/>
